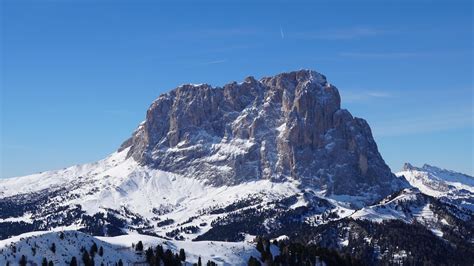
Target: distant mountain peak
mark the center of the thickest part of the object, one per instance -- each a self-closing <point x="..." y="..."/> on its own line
<point x="439" y="182"/>
<point x="408" y="166"/>
<point x="432" y="169"/>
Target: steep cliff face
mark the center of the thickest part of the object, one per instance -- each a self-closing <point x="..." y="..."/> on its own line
<point x="287" y="126"/>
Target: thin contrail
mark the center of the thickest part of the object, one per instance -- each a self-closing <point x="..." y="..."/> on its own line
<point x="281" y="32"/>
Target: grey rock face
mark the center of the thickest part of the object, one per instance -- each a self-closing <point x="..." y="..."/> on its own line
<point x="289" y="126"/>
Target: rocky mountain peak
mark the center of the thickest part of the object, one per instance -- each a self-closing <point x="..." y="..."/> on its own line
<point x="408" y="167"/>
<point x="287" y="126"/>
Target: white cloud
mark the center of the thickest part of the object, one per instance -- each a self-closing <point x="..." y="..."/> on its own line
<point x="379" y="94"/>
<point x="214" y="33"/>
<point x="341" y="33"/>
<point x="349" y="96"/>
<point x="220" y="61"/>
<point x="386" y="55"/>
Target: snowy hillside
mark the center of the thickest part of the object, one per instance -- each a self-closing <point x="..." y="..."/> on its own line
<point x="409" y="206"/>
<point x="36" y="246"/>
<point x="441" y="183"/>
<point x="151" y="200"/>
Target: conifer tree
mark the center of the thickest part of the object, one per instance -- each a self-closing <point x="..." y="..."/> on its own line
<point x="101" y="251"/>
<point x="267" y="255"/>
<point x="182" y="255"/>
<point x="260" y="246"/>
<point x="73" y="261"/>
<point x="211" y="263"/>
<point x="139" y="246"/>
<point x="44" y="262"/>
<point x="159" y="251"/>
<point x="254" y="262"/>
<point x="94" y="249"/>
<point x="53" y="247"/>
<point x="23" y="260"/>
<point x="150" y="258"/>
<point x="168" y="257"/>
<point x="86" y="258"/>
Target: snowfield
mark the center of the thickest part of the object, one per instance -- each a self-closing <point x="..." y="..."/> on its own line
<point x="120" y="183"/>
<point x="37" y="245"/>
<point x="116" y="182"/>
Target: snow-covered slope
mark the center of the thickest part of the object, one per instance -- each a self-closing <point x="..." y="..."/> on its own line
<point x="37" y="245"/>
<point x="448" y="185"/>
<point x="412" y="206"/>
<point x="137" y="192"/>
<point x="409" y="206"/>
<point x="143" y="199"/>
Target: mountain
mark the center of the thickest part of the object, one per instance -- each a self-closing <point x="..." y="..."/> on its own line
<point x="289" y="126"/>
<point x="280" y="142"/>
<point x="270" y="157"/>
<point x="450" y="186"/>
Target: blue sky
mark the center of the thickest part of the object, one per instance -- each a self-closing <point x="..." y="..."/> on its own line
<point x="78" y="76"/>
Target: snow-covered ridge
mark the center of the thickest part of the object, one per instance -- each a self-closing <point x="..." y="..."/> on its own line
<point x="58" y="178"/>
<point x="441" y="183"/>
<point x="443" y="175"/>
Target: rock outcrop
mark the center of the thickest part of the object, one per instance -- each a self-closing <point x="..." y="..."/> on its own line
<point x="290" y="126"/>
